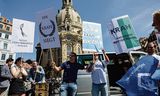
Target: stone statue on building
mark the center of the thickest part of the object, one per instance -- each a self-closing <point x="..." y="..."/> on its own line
<point x="67" y="1"/>
<point x="67" y="21"/>
<point x="67" y="25"/>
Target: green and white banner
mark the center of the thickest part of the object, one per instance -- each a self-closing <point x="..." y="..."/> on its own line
<point x="123" y="35"/>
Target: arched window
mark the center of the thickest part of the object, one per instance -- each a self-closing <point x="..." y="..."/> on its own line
<point x="79" y="50"/>
<point x="69" y="49"/>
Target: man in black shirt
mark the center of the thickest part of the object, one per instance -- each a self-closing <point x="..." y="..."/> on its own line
<point x="70" y="75"/>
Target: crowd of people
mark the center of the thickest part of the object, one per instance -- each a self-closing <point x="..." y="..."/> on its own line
<point x="14" y="75"/>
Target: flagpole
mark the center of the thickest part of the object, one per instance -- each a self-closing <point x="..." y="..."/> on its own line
<point x="51" y="56"/>
<point x="38" y="63"/>
<point x="40" y="57"/>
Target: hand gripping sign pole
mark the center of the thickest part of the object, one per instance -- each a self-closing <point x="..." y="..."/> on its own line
<point x="51" y="56"/>
<point x="38" y="63"/>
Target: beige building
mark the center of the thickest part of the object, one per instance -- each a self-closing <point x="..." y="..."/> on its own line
<point x="69" y="25"/>
<point x="5" y="40"/>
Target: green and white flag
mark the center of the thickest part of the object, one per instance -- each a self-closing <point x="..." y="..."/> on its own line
<point x="123" y="35"/>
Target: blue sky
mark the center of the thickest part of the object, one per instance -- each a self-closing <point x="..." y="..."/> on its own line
<point x="99" y="11"/>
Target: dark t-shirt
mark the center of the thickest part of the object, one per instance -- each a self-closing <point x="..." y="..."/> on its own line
<point x="70" y="71"/>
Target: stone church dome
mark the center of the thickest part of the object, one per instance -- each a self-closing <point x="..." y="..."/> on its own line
<point x="68" y="16"/>
<point x="74" y="16"/>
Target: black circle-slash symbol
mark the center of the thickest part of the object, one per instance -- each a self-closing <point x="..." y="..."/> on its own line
<point x="50" y="34"/>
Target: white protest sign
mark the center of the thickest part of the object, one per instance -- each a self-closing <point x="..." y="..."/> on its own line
<point x="92" y="36"/>
<point x="123" y="35"/>
<point x="22" y="36"/>
<point x="47" y="26"/>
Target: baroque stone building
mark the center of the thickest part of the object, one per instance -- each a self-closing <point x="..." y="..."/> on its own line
<point x="69" y="25"/>
<point x="70" y="30"/>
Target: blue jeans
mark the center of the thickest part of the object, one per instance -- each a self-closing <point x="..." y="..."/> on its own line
<point x="96" y="88"/>
<point x="68" y="88"/>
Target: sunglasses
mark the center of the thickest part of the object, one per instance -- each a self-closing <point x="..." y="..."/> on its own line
<point x="72" y="56"/>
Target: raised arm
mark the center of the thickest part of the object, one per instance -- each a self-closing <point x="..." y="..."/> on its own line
<point x="15" y="72"/>
<point x="18" y="72"/>
<point x="105" y="55"/>
<point x="23" y="71"/>
<point x="90" y="67"/>
<point x="55" y="68"/>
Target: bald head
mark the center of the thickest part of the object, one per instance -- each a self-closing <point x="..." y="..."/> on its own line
<point x="151" y="48"/>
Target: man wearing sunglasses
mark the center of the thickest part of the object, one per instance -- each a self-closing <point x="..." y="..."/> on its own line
<point x="70" y="68"/>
